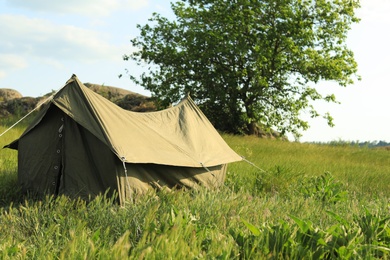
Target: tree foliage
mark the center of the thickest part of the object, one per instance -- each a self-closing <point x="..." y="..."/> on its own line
<point x="248" y="62"/>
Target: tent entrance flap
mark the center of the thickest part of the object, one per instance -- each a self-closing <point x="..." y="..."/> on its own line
<point x="40" y="154"/>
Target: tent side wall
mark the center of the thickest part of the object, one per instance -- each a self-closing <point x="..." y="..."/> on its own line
<point x="140" y="178"/>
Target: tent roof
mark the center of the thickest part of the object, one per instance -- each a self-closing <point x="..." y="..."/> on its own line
<point x="178" y="136"/>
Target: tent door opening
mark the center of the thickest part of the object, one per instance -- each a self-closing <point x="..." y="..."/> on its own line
<point x="58" y="167"/>
<point x="58" y="181"/>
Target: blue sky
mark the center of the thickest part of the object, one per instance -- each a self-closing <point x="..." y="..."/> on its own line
<point x="42" y="43"/>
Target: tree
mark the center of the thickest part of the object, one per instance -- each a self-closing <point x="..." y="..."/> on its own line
<point x="248" y="62"/>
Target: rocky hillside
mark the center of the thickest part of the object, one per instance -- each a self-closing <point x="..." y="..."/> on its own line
<point x="13" y="103"/>
<point x="124" y="98"/>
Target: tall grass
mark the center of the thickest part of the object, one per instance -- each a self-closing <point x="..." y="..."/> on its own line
<point x="9" y="191"/>
<point x="363" y="170"/>
<point x="301" y="201"/>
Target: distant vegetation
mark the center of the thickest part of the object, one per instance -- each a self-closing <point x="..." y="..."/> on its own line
<point x="368" y="144"/>
<point x="299" y="201"/>
<point x="372" y="144"/>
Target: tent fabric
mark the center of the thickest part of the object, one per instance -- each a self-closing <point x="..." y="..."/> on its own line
<point x="81" y="144"/>
<point x="180" y="136"/>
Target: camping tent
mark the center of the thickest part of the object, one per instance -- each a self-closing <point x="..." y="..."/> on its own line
<point x="81" y="144"/>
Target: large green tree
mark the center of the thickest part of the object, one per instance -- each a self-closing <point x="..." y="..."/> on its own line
<point x="248" y="62"/>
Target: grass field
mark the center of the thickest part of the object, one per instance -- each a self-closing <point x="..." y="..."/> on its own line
<point x="299" y="201"/>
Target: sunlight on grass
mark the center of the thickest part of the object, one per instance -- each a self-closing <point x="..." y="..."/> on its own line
<point x="365" y="170"/>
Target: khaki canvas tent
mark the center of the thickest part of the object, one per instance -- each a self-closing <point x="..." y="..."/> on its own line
<point x="81" y="144"/>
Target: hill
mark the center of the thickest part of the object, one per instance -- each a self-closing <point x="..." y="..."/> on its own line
<point x="13" y="103"/>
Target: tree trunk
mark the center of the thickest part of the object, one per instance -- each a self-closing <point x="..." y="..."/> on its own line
<point x="252" y="125"/>
<point x="252" y="128"/>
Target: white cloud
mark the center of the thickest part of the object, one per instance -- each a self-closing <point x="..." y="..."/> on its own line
<point x="10" y="61"/>
<point x="40" y="38"/>
<point x="85" y="7"/>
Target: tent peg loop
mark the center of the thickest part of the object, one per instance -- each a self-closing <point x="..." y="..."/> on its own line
<point x="123" y="159"/>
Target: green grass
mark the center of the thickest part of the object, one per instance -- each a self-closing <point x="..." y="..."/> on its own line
<point x="9" y="191"/>
<point x="363" y="170"/>
<point x="302" y="201"/>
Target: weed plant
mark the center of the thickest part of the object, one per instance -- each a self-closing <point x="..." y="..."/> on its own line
<point x="299" y="201"/>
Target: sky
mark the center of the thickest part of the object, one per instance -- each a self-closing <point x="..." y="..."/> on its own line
<point x="42" y="43"/>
